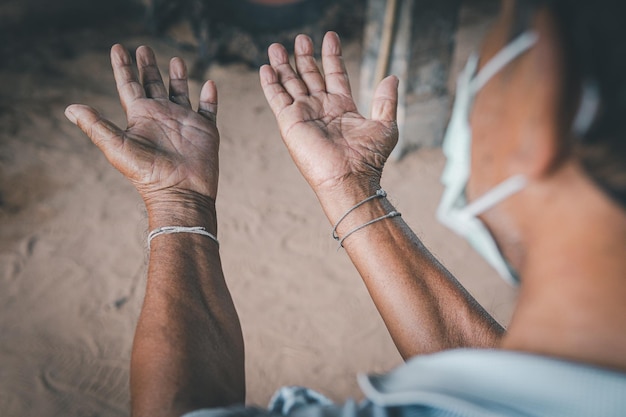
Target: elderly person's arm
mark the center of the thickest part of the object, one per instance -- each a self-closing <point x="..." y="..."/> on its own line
<point x="341" y="154"/>
<point x="188" y="348"/>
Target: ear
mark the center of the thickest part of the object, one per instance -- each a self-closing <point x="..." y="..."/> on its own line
<point x="538" y="82"/>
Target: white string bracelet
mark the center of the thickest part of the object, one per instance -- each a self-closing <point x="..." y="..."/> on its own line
<point x="363" y="226"/>
<point x="379" y="194"/>
<point x="167" y="230"/>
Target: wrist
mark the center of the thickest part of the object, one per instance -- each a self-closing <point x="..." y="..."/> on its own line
<point x="181" y="208"/>
<point x="336" y="201"/>
<point x="368" y="211"/>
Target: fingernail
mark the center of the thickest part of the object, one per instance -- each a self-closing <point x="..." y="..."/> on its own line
<point x="70" y="116"/>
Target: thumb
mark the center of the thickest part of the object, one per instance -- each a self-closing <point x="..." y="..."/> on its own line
<point x="385" y="101"/>
<point x="103" y="133"/>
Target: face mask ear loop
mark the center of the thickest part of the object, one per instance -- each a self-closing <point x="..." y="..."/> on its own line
<point x="588" y="108"/>
<point x="499" y="193"/>
<point x="518" y="46"/>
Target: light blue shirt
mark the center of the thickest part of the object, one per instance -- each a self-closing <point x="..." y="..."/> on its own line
<point x="476" y="383"/>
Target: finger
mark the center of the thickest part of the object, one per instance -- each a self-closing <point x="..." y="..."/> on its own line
<point x="306" y="66"/>
<point x="103" y="133"/>
<point x="279" y="60"/>
<point x="337" y="81"/>
<point x="149" y="73"/>
<point x="179" y="87"/>
<point x="208" y="101"/>
<point x="275" y="94"/>
<point x="128" y="86"/>
<point x="385" y="101"/>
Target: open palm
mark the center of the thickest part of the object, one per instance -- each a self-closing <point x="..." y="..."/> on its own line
<point x="328" y="139"/>
<point x="167" y="146"/>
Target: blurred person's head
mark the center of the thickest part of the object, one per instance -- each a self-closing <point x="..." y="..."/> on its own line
<point x="553" y="113"/>
<point x="536" y="172"/>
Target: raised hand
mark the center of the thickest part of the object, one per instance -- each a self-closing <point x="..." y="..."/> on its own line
<point x="330" y="142"/>
<point x="188" y="349"/>
<point x="167" y="149"/>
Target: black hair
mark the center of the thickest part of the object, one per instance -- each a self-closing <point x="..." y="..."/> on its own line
<point x="593" y="36"/>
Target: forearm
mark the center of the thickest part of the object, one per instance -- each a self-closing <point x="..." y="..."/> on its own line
<point x="422" y="304"/>
<point x="188" y="348"/>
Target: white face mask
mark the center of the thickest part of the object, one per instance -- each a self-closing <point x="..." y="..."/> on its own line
<point x="454" y="210"/>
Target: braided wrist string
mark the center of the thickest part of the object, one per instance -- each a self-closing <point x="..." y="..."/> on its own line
<point x="363" y="226"/>
<point x="379" y="194"/>
<point x="166" y="230"/>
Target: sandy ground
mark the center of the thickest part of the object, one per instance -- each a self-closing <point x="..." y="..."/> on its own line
<point x="73" y="240"/>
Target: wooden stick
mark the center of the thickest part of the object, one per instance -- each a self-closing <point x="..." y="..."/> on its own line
<point x="382" y="64"/>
